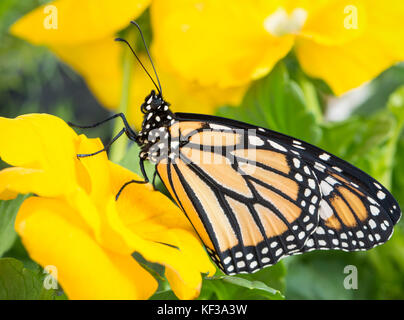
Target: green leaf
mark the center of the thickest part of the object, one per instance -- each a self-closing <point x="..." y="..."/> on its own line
<point x="318" y="275"/>
<point x="396" y="104"/>
<point x="268" y="283"/>
<point x="250" y="289"/>
<point x="398" y="173"/>
<point x="156" y="269"/>
<point x="380" y="90"/>
<point x="355" y="137"/>
<point x="364" y="142"/>
<point x="278" y="103"/>
<point x="8" y="212"/>
<point x="273" y="276"/>
<point x="19" y="283"/>
<point x="19" y="252"/>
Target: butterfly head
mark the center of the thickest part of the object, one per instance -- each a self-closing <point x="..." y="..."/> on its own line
<point x="157" y="114"/>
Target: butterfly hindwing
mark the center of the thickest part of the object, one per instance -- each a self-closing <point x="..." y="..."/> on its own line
<point x="356" y="212"/>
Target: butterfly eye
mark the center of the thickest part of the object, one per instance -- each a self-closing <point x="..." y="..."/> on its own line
<point x="155" y="103"/>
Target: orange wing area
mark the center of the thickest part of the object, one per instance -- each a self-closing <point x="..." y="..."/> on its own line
<point x="247" y="203"/>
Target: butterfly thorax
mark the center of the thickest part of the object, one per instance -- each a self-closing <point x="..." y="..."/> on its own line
<point x="157" y="118"/>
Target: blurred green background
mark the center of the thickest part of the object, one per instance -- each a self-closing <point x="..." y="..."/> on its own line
<point x="32" y="79"/>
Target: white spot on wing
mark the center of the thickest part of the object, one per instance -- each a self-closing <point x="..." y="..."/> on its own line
<point x="374" y="210"/>
<point x="324" y="156"/>
<point x="312" y="183"/>
<point x="372" y="223"/>
<point x="319" y="166"/>
<point x="331" y="180"/>
<point x="310" y="243"/>
<point x="255" y="141"/>
<point x="326" y="189"/>
<point x="227" y="260"/>
<point x="325" y="210"/>
<point x="277" y="146"/>
<point x="373" y="201"/>
<point x="381" y="195"/>
<point x="218" y="127"/>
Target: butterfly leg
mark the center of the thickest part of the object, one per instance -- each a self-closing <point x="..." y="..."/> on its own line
<point x="146" y="179"/>
<point x="131" y="134"/>
<point x="154" y="180"/>
<point x="127" y="129"/>
<point x="83" y="155"/>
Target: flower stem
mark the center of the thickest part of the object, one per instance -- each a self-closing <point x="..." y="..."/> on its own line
<point x="310" y="95"/>
<point x="118" y="148"/>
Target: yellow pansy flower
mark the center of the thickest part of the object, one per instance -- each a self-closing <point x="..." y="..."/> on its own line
<point x="83" y="38"/>
<point x="231" y="42"/>
<point x="74" y="223"/>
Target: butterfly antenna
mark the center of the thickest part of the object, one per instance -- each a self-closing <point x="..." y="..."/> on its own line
<point x="148" y="53"/>
<point x="134" y="53"/>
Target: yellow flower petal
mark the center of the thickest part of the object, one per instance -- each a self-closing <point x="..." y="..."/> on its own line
<point x="42" y="142"/>
<point x="150" y="205"/>
<point x="349" y="65"/>
<point x="85" y="270"/>
<point x="99" y="63"/>
<point x="26" y="133"/>
<point x="158" y="221"/>
<point x="186" y="284"/>
<point x="186" y="261"/>
<point x="220" y="43"/>
<point x="334" y="22"/>
<point x="21" y="180"/>
<point x="44" y="148"/>
<point x="77" y="21"/>
<point x="97" y="168"/>
<point x="344" y="67"/>
<point x="82" y="223"/>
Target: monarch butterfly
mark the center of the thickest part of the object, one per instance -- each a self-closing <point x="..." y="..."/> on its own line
<point x="255" y="196"/>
